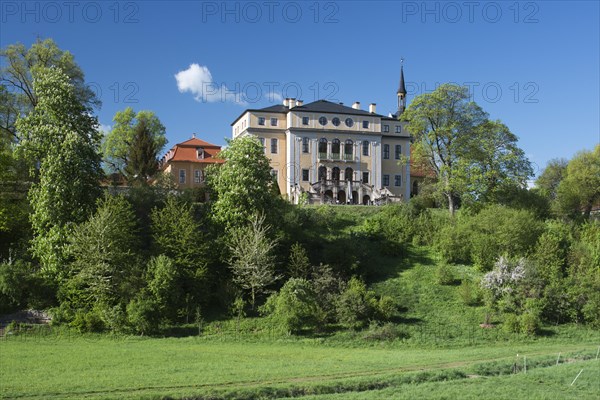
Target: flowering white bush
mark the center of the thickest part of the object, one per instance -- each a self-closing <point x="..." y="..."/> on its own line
<point x="505" y="276"/>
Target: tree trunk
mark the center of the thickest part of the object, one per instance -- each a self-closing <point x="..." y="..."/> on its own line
<point x="451" y="205"/>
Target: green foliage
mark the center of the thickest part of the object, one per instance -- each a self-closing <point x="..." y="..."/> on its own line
<point x="136" y="139"/>
<point x="584" y="274"/>
<point x="22" y="287"/>
<point x="579" y="190"/>
<point x="243" y="186"/>
<point x="470" y="292"/>
<point x="104" y="272"/>
<point x="327" y="287"/>
<point x="471" y="157"/>
<point x="17" y="77"/>
<point x="356" y="305"/>
<point x="294" y="307"/>
<point x="142" y="315"/>
<point x="454" y="241"/>
<point x="162" y="280"/>
<point x="252" y="259"/>
<point x="548" y="181"/>
<point x="61" y="135"/>
<point x="299" y="264"/>
<point x="444" y="274"/>
<point x="142" y="161"/>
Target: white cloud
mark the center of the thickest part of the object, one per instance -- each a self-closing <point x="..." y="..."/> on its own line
<point x="104" y="128"/>
<point x="198" y="80"/>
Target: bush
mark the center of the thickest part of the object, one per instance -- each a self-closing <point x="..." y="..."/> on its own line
<point x="386" y="308"/>
<point x="470" y="292"/>
<point x="529" y="323"/>
<point x="511" y="323"/>
<point x="356" y="305"/>
<point x="499" y="230"/>
<point x="294" y="307"/>
<point x="444" y="274"/>
<point x="453" y="242"/>
<point x="87" y="321"/>
<point x="142" y="315"/>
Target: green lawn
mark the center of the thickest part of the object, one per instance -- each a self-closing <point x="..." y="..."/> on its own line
<point x="542" y="383"/>
<point x="101" y="367"/>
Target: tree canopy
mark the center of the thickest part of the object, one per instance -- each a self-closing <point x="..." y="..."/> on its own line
<point x="17" y="92"/>
<point x="243" y="185"/>
<point x="470" y="156"/>
<point x="61" y="136"/>
<point x="126" y="149"/>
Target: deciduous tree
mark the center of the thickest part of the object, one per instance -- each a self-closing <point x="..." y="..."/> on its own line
<point x="18" y="95"/>
<point x="252" y="261"/>
<point x="122" y="146"/>
<point x="470" y="156"/>
<point x="60" y="134"/>
<point x="243" y="185"/>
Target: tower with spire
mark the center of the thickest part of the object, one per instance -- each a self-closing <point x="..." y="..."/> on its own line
<point x="401" y="91"/>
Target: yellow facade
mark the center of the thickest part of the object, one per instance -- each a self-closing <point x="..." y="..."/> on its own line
<point x="329" y="152"/>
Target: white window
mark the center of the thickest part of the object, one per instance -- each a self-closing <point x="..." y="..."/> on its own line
<point x="398" y="128"/>
<point x="262" y="143"/>
<point x="365" y="175"/>
<point x="182" y="176"/>
<point x="397" y="180"/>
<point x="197" y="176"/>
<point x="273" y="121"/>
<point x="365" y="124"/>
<point x="261" y="120"/>
<point x="200" y="153"/>
<point x="273" y="146"/>
<point x="305" y="120"/>
<point x="386" y="128"/>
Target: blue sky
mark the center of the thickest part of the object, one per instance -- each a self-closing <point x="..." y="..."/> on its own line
<point x="534" y="65"/>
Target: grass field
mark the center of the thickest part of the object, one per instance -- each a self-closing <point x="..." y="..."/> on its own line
<point x="104" y="367"/>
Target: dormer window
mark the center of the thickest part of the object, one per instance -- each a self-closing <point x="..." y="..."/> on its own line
<point x="200" y="153"/>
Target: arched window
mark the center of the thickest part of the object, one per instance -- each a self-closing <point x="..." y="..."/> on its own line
<point x="323" y="147"/>
<point x="335" y="174"/>
<point x="322" y="173"/>
<point x="349" y="174"/>
<point x="348" y="149"/>
<point x="335" y="149"/>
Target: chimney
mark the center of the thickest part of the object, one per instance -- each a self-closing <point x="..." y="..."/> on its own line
<point x="299" y="103"/>
<point x="372" y="108"/>
<point x="286" y="102"/>
<point x="356" y="105"/>
<point x="292" y="103"/>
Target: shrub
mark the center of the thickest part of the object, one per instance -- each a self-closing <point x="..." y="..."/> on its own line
<point x="142" y="315"/>
<point x="356" y="305"/>
<point x="453" y="244"/>
<point x="499" y="230"/>
<point x="470" y="292"/>
<point x="383" y="332"/>
<point x="294" y="307"/>
<point x="386" y="308"/>
<point x="529" y="323"/>
<point x="511" y="323"/>
<point x="444" y="274"/>
<point x="88" y="321"/>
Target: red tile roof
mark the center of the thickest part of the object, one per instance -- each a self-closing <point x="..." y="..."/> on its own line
<point x="186" y="151"/>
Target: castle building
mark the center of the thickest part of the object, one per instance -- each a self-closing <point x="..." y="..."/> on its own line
<point x="331" y="153"/>
<point x="186" y="162"/>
